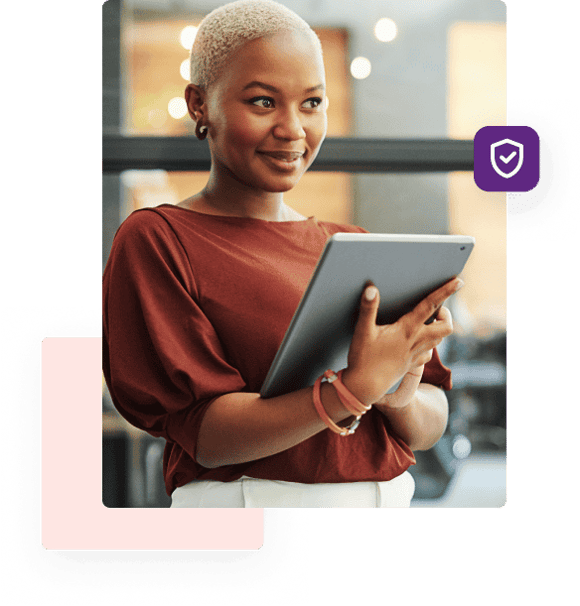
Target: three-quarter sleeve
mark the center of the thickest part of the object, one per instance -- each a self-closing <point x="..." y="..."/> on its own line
<point x="162" y="358"/>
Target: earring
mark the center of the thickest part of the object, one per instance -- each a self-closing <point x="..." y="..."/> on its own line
<point x="200" y="131"/>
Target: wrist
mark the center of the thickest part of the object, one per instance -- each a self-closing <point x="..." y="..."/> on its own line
<point x="366" y="390"/>
<point x="360" y="389"/>
<point x="344" y="429"/>
<point x="332" y="404"/>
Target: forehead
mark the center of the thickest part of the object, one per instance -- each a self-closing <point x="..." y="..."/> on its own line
<point x="289" y="59"/>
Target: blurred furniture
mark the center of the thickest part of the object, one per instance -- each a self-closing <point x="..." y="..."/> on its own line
<point x="132" y="464"/>
<point x="477" y="413"/>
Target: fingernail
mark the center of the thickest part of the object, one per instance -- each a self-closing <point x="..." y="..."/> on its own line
<point x="459" y="285"/>
<point x="371" y="293"/>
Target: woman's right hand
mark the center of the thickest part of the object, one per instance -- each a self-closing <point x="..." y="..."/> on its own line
<point x="380" y="355"/>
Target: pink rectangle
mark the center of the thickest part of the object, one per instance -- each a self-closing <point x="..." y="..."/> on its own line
<point x="73" y="515"/>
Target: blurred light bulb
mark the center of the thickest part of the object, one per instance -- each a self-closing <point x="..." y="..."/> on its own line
<point x="177" y="107"/>
<point x="184" y="69"/>
<point x="461" y="447"/>
<point x="386" y="30"/>
<point x="360" y="68"/>
<point x="187" y="36"/>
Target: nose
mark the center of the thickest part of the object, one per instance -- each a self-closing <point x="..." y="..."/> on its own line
<point x="289" y="126"/>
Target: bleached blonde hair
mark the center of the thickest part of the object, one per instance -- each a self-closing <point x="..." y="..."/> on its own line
<point x="228" y="27"/>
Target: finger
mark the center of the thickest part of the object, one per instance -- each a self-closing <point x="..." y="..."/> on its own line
<point x="417" y="371"/>
<point x="443" y="327"/>
<point x="436" y="333"/>
<point x="444" y="317"/>
<point x="432" y="317"/>
<point x="442" y="320"/>
<point x="430" y="304"/>
<point x="430" y="345"/>
<point x="409" y="384"/>
<point x="369" y="305"/>
<point x="425" y="357"/>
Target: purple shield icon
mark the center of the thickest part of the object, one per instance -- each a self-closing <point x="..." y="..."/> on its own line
<point x="498" y="158"/>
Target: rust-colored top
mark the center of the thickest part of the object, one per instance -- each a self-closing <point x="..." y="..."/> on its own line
<point x="196" y="306"/>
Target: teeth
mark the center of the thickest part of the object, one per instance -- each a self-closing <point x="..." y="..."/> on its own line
<point x="286" y="157"/>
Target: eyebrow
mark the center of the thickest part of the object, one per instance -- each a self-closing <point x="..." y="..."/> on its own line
<point x="256" y="84"/>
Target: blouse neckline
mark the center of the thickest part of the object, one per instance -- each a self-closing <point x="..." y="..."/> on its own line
<point x="235" y="219"/>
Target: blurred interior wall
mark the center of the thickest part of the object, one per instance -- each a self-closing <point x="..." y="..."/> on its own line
<point x="111" y="116"/>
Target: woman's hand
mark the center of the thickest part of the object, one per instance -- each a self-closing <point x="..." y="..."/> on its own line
<point x="405" y="392"/>
<point x="381" y="355"/>
<point x="240" y="427"/>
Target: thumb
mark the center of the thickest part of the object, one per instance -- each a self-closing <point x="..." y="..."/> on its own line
<point x="367" y="316"/>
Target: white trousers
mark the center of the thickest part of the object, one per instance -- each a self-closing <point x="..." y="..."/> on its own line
<point x="251" y="492"/>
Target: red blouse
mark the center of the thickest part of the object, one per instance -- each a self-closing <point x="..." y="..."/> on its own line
<point x="195" y="306"/>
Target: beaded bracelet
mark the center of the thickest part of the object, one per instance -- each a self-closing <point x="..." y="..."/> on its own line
<point x="343" y="431"/>
<point x="349" y="401"/>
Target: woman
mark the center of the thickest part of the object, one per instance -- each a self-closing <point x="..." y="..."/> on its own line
<point x="198" y="296"/>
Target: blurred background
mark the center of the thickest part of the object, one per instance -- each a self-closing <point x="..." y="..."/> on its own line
<point x="409" y="83"/>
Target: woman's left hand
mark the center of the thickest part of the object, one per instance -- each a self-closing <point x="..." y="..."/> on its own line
<point x="404" y="393"/>
<point x="417" y="412"/>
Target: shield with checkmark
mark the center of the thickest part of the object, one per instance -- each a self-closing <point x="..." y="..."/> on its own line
<point x="503" y="156"/>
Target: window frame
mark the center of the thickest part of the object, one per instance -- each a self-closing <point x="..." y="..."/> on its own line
<point x="337" y="154"/>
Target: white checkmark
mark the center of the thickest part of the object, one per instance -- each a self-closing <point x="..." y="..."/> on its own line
<point x="506" y="160"/>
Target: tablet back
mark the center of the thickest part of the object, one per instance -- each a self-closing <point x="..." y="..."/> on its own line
<point x="405" y="268"/>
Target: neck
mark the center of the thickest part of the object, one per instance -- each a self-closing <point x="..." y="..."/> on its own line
<point x="228" y="196"/>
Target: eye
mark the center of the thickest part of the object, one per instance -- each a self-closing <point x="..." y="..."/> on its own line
<point x="312" y="103"/>
<point x="265" y="102"/>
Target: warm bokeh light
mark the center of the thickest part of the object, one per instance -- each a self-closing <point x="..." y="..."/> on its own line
<point x="360" y="68"/>
<point x="385" y="30"/>
<point x="184" y="69"/>
<point x="187" y="36"/>
<point x="177" y="107"/>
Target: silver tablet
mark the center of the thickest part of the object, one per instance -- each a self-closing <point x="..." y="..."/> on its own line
<point x="405" y="268"/>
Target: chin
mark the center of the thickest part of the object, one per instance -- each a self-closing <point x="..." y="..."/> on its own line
<point x="280" y="189"/>
<point x="280" y="185"/>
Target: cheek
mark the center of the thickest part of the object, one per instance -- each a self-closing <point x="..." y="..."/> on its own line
<point x="324" y="124"/>
<point x="244" y="133"/>
<point x="317" y="132"/>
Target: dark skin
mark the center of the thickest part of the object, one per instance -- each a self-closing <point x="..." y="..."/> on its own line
<point x="266" y="121"/>
<point x="269" y="98"/>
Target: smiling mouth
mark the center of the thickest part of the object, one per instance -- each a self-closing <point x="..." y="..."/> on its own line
<point x="282" y="161"/>
<point x="283" y="156"/>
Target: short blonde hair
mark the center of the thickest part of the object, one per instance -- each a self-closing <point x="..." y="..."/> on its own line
<point x="228" y="27"/>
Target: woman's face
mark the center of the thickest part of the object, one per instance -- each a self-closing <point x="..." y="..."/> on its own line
<point x="266" y="112"/>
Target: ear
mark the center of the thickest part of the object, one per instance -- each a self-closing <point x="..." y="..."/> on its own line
<point x="195" y="99"/>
